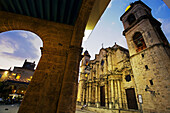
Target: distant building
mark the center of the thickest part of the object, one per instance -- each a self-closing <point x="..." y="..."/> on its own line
<point x="25" y="72"/>
<point x="4" y="74"/>
<point x="14" y="83"/>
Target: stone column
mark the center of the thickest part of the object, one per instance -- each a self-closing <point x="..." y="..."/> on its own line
<point x="80" y="90"/>
<point x="106" y="94"/>
<point x="97" y="69"/>
<point x="109" y="94"/>
<point x="119" y="94"/>
<point x="69" y="84"/>
<point x="82" y="101"/>
<point x="98" y="103"/>
<point x="87" y="95"/>
<point x="44" y="90"/>
<point x="105" y="66"/>
<point x="110" y="67"/>
<point x="96" y="95"/>
<point x="90" y="92"/>
<point x="116" y="95"/>
<point x="112" y="94"/>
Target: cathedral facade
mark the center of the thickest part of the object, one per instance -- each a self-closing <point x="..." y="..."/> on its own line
<point x="105" y="81"/>
<point x="137" y="78"/>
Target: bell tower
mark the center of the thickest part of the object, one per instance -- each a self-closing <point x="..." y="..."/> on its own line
<point x="149" y="56"/>
<point x="83" y="77"/>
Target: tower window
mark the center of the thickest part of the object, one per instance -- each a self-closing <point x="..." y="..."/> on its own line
<point x="146" y="67"/>
<point x="151" y="82"/>
<point x="131" y="18"/>
<point x="139" y="41"/>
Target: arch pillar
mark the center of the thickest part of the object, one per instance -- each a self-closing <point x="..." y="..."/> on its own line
<point x="53" y="88"/>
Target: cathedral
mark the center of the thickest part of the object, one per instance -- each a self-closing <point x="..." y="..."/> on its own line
<point x="137" y="78"/>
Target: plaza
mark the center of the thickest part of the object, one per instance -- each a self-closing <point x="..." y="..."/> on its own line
<point x="13" y="108"/>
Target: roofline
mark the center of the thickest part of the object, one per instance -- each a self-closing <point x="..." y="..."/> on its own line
<point x="132" y="5"/>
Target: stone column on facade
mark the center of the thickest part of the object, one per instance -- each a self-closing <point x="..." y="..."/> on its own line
<point x="112" y="94"/>
<point x="82" y="100"/>
<point x="98" y="99"/>
<point x="110" y="68"/>
<point x="97" y="69"/>
<point x="105" y="66"/>
<point x="96" y="95"/>
<point x="80" y="90"/>
<point x="109" y="95"/>
<point x="116" y="95"/>
<point x="90" y="92"/>
<point x="119" y="94"/>
<point x="87" y="94"/>
<point x="106" y="94"/>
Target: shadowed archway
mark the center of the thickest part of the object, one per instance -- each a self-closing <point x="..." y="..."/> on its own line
<point x="53" y="87"/>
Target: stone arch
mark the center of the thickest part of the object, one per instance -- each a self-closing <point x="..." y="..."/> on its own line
<point x="20" y="22"/>
<point x="139" y="41"/>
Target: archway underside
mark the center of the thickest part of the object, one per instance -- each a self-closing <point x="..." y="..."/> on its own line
<point x="54" y="84"/>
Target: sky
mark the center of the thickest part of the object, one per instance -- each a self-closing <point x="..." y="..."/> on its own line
<point x="18" y="45"/>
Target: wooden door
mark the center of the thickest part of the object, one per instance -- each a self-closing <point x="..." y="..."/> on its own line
<point x="102" y="96"/>
<point x="131" y="98"/>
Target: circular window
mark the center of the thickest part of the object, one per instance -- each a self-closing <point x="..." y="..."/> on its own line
<point x="128" y="78"/>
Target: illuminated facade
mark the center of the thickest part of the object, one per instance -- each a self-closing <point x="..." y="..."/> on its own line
<point x="15" y="83"/>
<point x="25" y="72"/>
<point x="136" y="79"/>
<point x="4" y="74"/>
<point x="105" y="80"/>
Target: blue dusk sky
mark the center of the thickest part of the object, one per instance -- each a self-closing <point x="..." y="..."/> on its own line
<point x="16" y="46"/>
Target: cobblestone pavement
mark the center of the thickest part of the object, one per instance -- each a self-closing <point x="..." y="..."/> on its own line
<point x="14" y="108"/>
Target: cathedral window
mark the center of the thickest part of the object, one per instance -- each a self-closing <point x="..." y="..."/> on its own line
<point x="131" y="18"/>
<point x="139" y="41"/>
<point x="102" y="62"/>
<point x="128" y="78"/>
<point x="142" y="55"/>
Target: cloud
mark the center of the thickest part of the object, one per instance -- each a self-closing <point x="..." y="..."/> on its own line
<point x="161" y="7"/>
<point x="165" y="27"/>
<point x="165" y="24"/>
<point x="18" y="46"/>
<point x="23" y="34"/>
<point x="6" y="45"/>
<point x="113" y="23"/>
<point x="10" y="61"/>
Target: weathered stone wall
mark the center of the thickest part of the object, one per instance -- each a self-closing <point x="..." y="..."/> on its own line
<point x="151" y="65"/>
